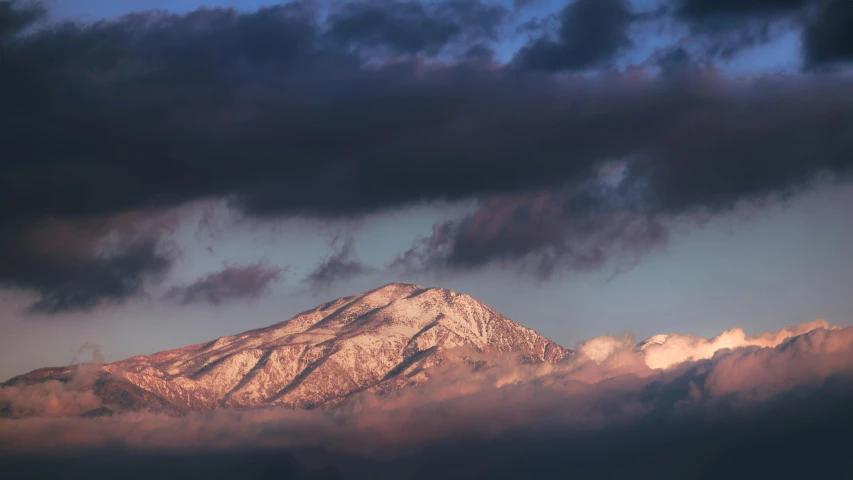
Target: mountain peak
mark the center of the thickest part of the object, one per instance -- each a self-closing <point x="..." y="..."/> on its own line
<point x="398" y="285"/>
<point x="379" y="340"/>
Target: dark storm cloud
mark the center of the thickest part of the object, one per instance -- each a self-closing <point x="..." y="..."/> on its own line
<point x="746" y="148"/>
<point x="269" y="110"/>
<point x="677" y="61"/>
<point x="16" y="15"/>
<point x="591" y="34"/>
<point x="742" y="146"/>
<point x="730" y="26"/>
<point x="545" y="235"/>
<point x="82" y="284"/>
<point x="338" y="266"/>
<point x="704" y="9"/>
<point x="158" y="109"/>
<point x="828" y="37"/>
<point x="78" y="265"/>
<point x="413" y="27"/>
<point x="232" y="283"/>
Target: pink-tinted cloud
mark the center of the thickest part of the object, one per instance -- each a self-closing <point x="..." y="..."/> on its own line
<point x="802" y="361"/>
<point x="71" y="396"/>
<point x="664" y="351"/>
<point x="609" y="384"/>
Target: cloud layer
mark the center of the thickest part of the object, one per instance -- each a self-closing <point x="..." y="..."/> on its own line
<point x="609" y="388"/>
<point x="591" y="34"/>
<point x="340" y="111"/>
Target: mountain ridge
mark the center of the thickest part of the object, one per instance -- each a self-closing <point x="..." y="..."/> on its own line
<point x="379" y="341"/>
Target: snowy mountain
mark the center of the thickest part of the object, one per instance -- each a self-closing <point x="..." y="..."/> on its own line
<point x="652" y="341"/>
<point x="377" y="341"/>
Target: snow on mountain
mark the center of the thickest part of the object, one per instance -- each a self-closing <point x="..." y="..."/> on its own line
<point x="652" y="341"/>
<point x="380" y="340"/>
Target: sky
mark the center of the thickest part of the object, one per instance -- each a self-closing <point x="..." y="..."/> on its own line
<point x="589" y="168"/>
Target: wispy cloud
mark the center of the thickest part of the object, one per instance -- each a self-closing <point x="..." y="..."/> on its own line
<point x="337" y="267"/>
<point x="232" y="283"/>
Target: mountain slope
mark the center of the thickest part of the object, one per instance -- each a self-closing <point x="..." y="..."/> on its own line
<point x="379" y="340"/>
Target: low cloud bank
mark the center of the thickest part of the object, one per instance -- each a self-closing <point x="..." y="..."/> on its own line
<point x="664" y="351"/>
<point x="73" y="394"/>
<point x="607" y="401"/>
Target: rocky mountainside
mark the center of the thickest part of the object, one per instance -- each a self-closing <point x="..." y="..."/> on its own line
<point x="378" y="341"/>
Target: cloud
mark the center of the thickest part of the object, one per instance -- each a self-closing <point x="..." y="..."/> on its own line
<point x="338" y="266"/>
<point x="50" y="399"/>
<point x="700" y="167"/>
<point x="414" y="27"/>
<point x="232" y="283"/>
<point x="601" y="405"/>
<point x="761" y="373"/>
<point x="205" y="105"/>
<point x="75" y="265"/>
<point x="668" y="350"/>
<point x="725" y="28"/>
<point x="679" y="61"/>
<point x="97" y="355"/>
<point x="704" y="9"/>
<point x="225" y="85"/>
<point x="16" y="16"/>
<point x="68" y="392"/>
<point x="544" y="235"/>
<point x="591" y="34"/>
<point x="828" y="35"/>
